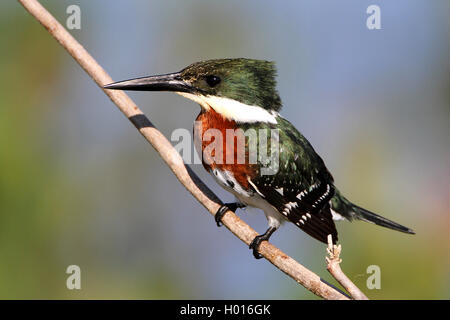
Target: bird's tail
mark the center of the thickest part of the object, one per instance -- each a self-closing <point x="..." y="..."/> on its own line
<point x="350" y="211"/>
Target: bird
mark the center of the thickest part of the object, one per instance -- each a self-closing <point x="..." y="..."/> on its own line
<point x="240" y="94"/>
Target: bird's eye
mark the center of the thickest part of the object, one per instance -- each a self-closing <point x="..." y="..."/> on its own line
<point x="212" y="81"/>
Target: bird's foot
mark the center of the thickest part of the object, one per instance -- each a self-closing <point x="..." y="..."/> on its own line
<point x="224" y="208"/>
<point x="257" y="241"/>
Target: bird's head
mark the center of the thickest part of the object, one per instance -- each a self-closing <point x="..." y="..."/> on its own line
<point x="239" y="89"/>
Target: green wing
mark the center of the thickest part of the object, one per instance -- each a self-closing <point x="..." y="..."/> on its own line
<point x="302" y="187"/>
<point x="299" y="165"/>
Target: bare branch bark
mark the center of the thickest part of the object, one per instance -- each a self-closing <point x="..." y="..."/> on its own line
<point x="334" y="268"/>
<point x="190" y="181"/>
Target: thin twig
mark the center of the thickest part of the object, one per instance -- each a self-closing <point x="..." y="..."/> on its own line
<point x="334" y="268"/>
<point x="190" y="181"/>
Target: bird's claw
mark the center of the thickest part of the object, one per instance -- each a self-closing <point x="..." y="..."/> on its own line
<point x="224" y="208"/>
<point x="256" y="242"/>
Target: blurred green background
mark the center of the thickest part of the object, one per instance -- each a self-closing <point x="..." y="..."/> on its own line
<point x="79" y="185"/>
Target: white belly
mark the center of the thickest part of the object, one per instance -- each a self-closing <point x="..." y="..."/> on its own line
<point x="226" y="180"/>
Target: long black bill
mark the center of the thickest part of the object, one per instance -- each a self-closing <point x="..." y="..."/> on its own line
<point x="164" y="82"/>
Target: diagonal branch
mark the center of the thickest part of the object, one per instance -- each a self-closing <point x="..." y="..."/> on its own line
<point x="185" y="175"/>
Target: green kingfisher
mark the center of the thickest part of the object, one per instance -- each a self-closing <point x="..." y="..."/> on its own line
<point x="241" y="94"/>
